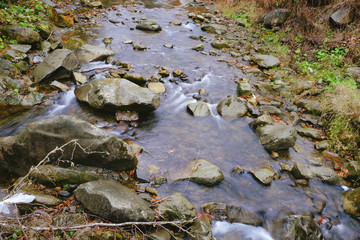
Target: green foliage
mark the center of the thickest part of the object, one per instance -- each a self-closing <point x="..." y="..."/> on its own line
<point x="242" y="16"/>
<point x="25" y="13"/>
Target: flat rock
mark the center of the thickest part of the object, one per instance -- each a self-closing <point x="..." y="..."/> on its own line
<point x="24" y="48"/>
<point x="41" y="197"/>
<point x="266" y="61"/>
<point x="232" y="107"/>
<point x="58" y="65"/>
<point x="326" y="175"/>
<point x="277" y="137"/>
<point x="156" y="87"/>
<point x="199" y="109"/>
<point x="311" y="106"/>
<point x="270" y="110"/>
<point x="113" y="94"/>
<point x="203" y="172"/>
<point x="90" y="53"/>
<point x="79" y="77"/>
<point x="311" y="132"/>
<point x="199" y="47"/>
<point x="261" y="121"/>
<point x="220" y="44"/>
<point x="176" y="207"/>
<point x="214" y="28"/>
<point x="264" y="175"/>
<point x="60" y="86"/>
<point x="18" y="153"/>
<point x="114" y="201"/>
<point x="135" y="78"/>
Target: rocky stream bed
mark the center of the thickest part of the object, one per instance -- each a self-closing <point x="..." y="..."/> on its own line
<point x="189" y="99"/>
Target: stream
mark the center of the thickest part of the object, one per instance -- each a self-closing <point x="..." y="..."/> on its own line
<point x="173" y="137"/>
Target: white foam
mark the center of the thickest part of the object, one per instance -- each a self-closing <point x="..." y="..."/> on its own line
<point x="219" y="229"/>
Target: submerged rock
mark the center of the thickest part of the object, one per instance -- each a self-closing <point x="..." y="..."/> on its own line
<point x="56" y="176"/>
<point x="18" y="153"/>
<point x="114" y="201"/>
<point x="199" y="109"/>
<point x="114" y="94"/>
<point x="277" y="137"/>
<point x="176" y="207"/>
<point x="58" y="65"/>
<point x="203" y="172"/>
<point x="232" y="107"/>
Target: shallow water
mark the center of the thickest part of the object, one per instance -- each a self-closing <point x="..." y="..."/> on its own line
<point x="173" y="138"/>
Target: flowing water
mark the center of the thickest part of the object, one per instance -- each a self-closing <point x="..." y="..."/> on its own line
<point x="173" y="137"/>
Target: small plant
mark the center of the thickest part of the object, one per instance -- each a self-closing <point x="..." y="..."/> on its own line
<point x="243" y="16"/>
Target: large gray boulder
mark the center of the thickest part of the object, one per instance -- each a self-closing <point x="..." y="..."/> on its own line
<point x="113" y="94"/>
<point x="276" y="18"/>
<point x="21" y="34"/>
<point x="203" y="172"/>
<point x="351" y="202"/>
<point x="176" y="207"/>
<point x="277" y="137"/>
<point x="58" y="65"/>
<point x="114" y="201"/>
<point x="232" y="107"/>
<point x="296" y="227"/>
<point x="18" y="153"/>
<point x="266" y="61"/>
<point x="343" y="16"/>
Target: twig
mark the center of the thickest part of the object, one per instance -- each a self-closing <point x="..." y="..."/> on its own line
<point x="76" y="227"/>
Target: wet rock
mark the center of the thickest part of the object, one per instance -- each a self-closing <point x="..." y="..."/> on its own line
<point x="201" y="229"/>
<point x="266" y="61"/>
<point x="58" y="65"/>
<point x="90" y="53"/>
<point x="326" y="175"/>
<point x="261" y="121"/>
<point x="277" y="137"/>
<point x="156" y="87"/>
<point x="148" y="26"/>
<point x="296" y="227"/>
<point x="114" y="94"/>
<point x="351" y="202"/>
<point x="253" y="110"/>
<point x="353" y="169"/>
<point x="128" y="42"/>
<point x="199" y="109"/>
<point x="139" y="47"/>
<point x="203" y="172"/>
<point x="233" y="236"/>
<point x="199" y="47"/>
<point x="56" y="176"/>
<point x="177" y="72"/>
<point x="244" y="88"/>
<point x="21" y="34"/>
<point x="232" y="107"/>
<point x="240" y="214"/>
<point x="62" y="18"/>
<point x="169" y="45"/>
<point x="299" y="171"/>
<point x="343" y="16"/>
<point x="10" y="98"/>
<point x="218" y="210"/>
<point x="20" y="152"/>
<point x="214" y="28"/>
<point x="302" y="182"/>
<point x="126" y="116"/>
<point x="135" y="78"/>
<point x="316" y="161"/>
<point x="264" y="175"/>
<point x="79" y="78"/>
<point x="276" y="18"/>
<point x="33" y="98"/>
<point x="113" y="201"/>
<point x="270" y="110"/>
<point x="311" y="132"/>
<point x="41" y="197"/>
<point x="160" y="234"/>
<point x="175" y="23"/>
<point x="220" y="44"/>
<point x="176" y="207"/>
<point x="60" y="86"/>
<point x="108" y="40"/>
<point x="311" y="106"/>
